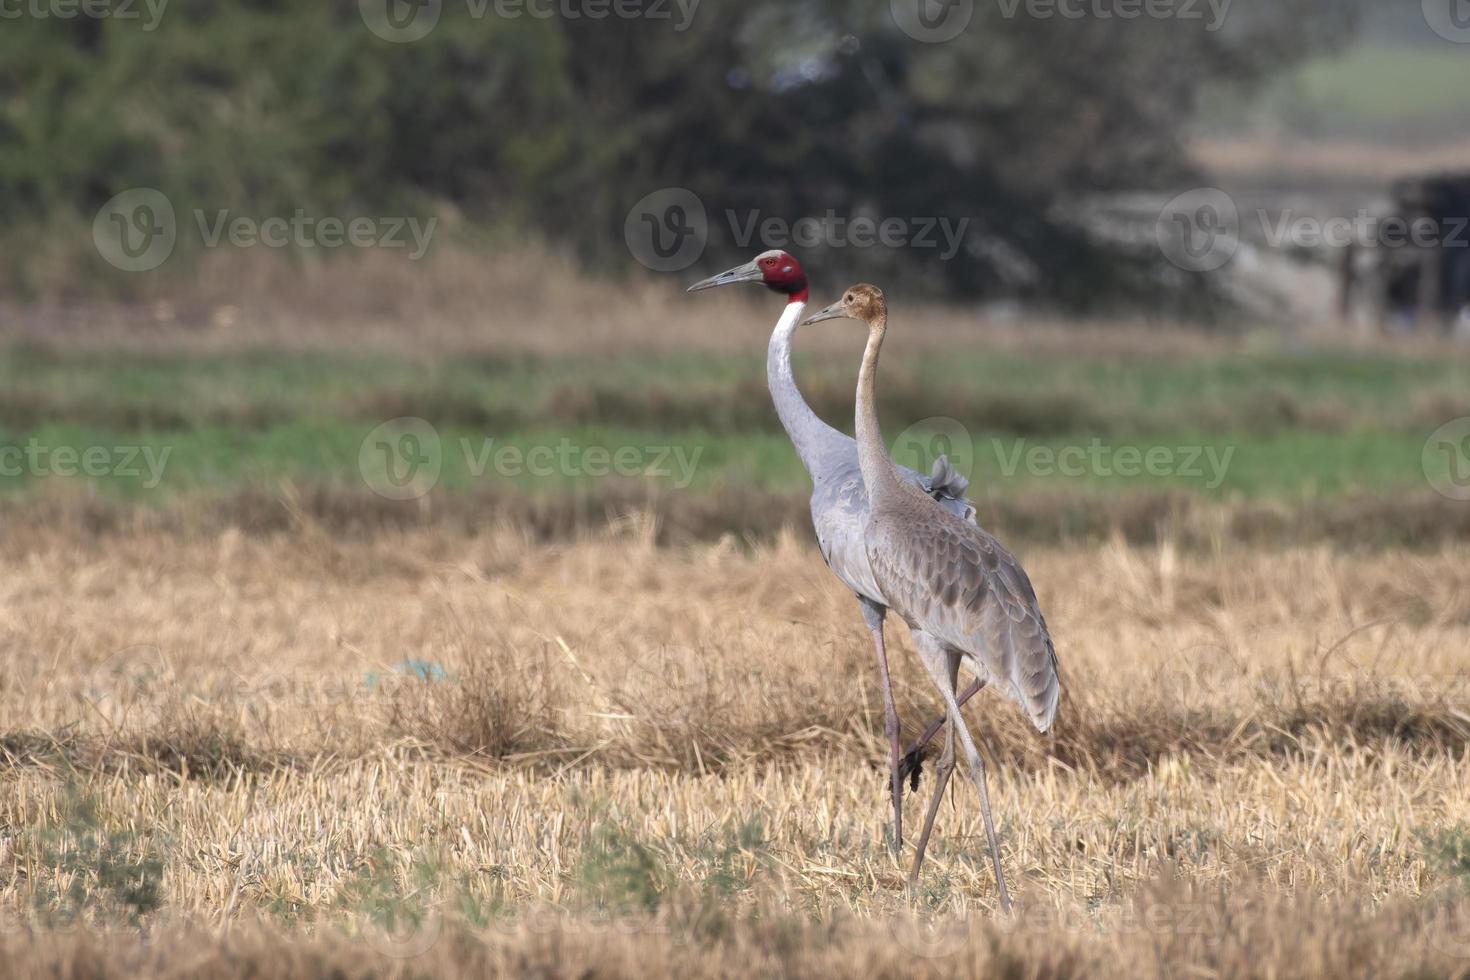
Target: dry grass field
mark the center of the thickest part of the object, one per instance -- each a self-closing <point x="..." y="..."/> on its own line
<point x="266" y="722"/>
<point x="431" y="754"/>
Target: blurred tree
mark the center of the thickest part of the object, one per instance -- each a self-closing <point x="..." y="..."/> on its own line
<point x="557" y="125"/>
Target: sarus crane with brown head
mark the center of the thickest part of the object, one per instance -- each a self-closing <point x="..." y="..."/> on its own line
<point x="839" y="503"/>
<point x="966" y="599"/>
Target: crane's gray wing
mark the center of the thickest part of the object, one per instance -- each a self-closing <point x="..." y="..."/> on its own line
<point x="840" y="509"/>
<point x="960" y="584"/>
<point x="839" y="515"/>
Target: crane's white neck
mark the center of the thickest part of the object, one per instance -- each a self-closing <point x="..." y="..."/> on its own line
<point x="808" y="433"/>
<point x="779" y="366"/>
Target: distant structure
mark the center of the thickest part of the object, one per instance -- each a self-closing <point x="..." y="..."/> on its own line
<point x="1415" y="277"/>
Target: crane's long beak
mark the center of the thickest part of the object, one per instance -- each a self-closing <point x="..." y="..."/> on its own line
<point x="830" y="313"/>
<point x="749" y="272"/>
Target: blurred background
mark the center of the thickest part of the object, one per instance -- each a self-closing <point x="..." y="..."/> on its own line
<point x="246" y="235"/>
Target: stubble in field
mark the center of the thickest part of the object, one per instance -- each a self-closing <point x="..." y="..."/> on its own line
<point x="431" y="740"/>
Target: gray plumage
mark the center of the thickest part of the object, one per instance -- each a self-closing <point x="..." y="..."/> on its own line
<point x="965" y="598"/>
<point x="954" y="582"/>
<point x="839" y="501"/>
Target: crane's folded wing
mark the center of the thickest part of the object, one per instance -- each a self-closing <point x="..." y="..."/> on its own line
<point x="964" y="587"/>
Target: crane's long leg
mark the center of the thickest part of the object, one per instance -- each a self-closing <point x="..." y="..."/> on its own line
<point x="942" y="664"/>
<point x="913" y="758"/>
<point x="941" y="781"/>
<point x="890" y="727"/>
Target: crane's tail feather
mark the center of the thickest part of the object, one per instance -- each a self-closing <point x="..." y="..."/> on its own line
<point x="946" y="481"/>
<point x="947" y="485"/>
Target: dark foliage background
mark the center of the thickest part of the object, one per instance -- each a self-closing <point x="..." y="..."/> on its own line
<point x="555" y="126"/>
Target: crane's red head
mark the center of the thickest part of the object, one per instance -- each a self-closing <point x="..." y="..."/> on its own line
<point x="778" y="270"/>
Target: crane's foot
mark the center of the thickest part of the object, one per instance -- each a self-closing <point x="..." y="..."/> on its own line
<point x="911" y="767"/>
<point x="911" y="764"/>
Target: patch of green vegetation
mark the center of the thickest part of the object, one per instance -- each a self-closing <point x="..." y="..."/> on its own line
<point x="1006" y="392"/>
<point x="734" y="855"/>
<point x="1449" y="852"/>
<point x="618" y="873"/>
<point x="1385" y="81"/>
<point x="393" y="897"/>
<point x="1389" y="85"/>
<point x="1272" y="424"/>
<point x="91" y="871"/>
<point x="163" y="468"/>
<point x="406" y="895"/>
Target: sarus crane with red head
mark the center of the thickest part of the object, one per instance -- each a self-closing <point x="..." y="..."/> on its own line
<point x="839" y="501"/>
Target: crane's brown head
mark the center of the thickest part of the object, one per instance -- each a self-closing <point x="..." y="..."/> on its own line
<point x="860" y="302"/>
<point x="776" y="269"/>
